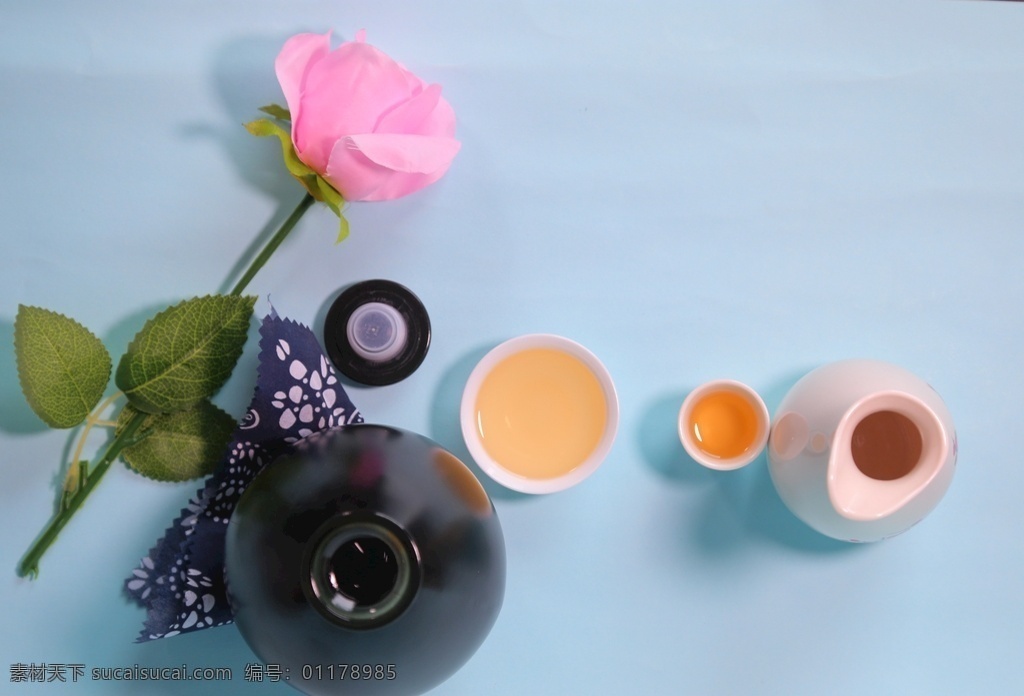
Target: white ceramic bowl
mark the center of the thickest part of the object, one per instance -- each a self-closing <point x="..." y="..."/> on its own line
<point x="496" y="469"/>
<point x="689" y="440"/>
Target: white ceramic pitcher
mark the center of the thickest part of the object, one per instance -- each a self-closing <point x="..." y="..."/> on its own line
<point x="862" y="450"/>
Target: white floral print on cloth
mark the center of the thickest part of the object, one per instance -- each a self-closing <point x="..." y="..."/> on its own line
<point x="181" y="581"/>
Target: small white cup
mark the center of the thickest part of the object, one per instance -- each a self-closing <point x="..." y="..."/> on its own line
<point x="470" y="427"/>
<point x="700" y="451"/>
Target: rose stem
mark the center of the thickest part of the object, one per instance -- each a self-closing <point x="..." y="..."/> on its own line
<point x="71" y="480"/>
<point x="29" y="564"/>
<point x="272" y="245"/>
<point x="69" y="504"/>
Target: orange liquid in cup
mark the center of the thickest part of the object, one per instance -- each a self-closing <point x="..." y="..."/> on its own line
<point x="541" y="413"/>
<point x="724" y="424"/>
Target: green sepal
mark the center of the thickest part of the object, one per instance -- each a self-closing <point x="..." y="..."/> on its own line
<point x="185" y="353"/>
<point x="317" y="186"/>
<point x="277" y="111"/>
<point x="334" y="200"/>
<point x="178" y="446"/>
<point x="263" y="128"/>
<point x="63" y="367"/>
<point x="342" y="229"/>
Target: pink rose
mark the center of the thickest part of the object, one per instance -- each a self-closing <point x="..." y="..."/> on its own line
<point x="363" y="122"/>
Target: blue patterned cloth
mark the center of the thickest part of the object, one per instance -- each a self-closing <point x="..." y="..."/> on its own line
<point x="181" y="581"/>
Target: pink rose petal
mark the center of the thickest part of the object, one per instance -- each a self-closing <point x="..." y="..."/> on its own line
<point x="441" y="120"/>
<point x="345" y="93"/>
<point x="414" y="154"/>
<point x="292" y="66"/>
<point x="369" y="126"/>
<point x="410" y="116"/>
<point x="377" y="167"/>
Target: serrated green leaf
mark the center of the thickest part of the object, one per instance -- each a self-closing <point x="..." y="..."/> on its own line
<point x="63" y="368"/>
<point x="277" y="111"/>
<point x="178" y="446"/>
<point x="185" y="353"/>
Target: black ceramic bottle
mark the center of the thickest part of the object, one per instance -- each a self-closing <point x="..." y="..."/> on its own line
<point x="370" y="561"/>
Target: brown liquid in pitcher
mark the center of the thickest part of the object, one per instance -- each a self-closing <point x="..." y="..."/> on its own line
<point x="886" y="445"/>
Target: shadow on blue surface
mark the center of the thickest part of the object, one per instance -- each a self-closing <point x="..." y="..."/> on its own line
<point x="446" y="429"/>
<point x="284" y="209"/>
<point x="242" y="76"/>
<point x="658" y="440"/>
<point x="738" y="507"/>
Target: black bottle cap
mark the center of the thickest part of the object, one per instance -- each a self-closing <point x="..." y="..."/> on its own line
<point x="377" y="332"/>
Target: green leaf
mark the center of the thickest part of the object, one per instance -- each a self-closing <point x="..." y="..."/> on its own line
<point x="185" y="353"/>
<point x="178" y="446"/>
<point x="277" y="111"/>
<point x="63" y="368"/>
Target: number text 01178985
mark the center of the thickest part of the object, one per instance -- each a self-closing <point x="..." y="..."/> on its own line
<point x="350" y="672"/>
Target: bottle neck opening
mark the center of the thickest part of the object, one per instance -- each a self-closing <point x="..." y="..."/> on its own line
<point x="363" y="571"/>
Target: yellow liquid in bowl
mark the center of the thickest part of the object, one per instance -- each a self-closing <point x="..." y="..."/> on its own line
<point x="540" y="413"/>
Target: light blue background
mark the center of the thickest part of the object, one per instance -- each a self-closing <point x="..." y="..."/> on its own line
<point x="691" y="189"/>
